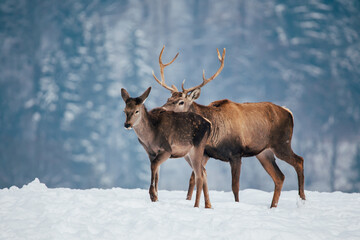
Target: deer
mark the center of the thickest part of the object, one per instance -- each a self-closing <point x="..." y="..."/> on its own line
<point x="261" y="129"/>
<point x="166" y="134"/>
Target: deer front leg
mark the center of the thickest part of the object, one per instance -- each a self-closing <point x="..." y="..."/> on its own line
<point x="235" y="165"/>
<point x="152" y="190"/>
<point x="157" y="179"/>
<point x="155" y="163"/>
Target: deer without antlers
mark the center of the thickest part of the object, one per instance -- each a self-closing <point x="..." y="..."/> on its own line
<point x="241" y="130"/>
<point x="164" y="135"/>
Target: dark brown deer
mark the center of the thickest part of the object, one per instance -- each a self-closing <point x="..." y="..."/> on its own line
<point x="241" y="130"/>
<point x="166" y="134"/>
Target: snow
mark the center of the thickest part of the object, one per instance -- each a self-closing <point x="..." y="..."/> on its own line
<point x="37" y="212"/>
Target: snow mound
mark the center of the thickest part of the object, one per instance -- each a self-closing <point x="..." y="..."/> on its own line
<point x="35" y="185"/>
<point x="38" y="212"/>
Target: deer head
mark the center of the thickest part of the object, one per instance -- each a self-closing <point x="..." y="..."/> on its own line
<point x="181" y="101"/>
<point x="134" y="108"/>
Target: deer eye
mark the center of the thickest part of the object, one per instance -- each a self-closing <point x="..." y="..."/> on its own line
<point x="137" y="111"/>
<point x="181" y="103"/>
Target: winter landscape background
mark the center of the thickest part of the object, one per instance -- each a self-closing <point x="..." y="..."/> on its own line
<point x="63" y="63"/>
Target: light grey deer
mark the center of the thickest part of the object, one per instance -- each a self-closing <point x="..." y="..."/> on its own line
<point x="167" y="134"/>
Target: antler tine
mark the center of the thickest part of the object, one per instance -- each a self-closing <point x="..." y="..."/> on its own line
<point x="182" y="86"/>
<point x="163" y="84"/>
<point x="221" y="59"/>
<point x="205" y="81"/>
<point x="162" y="66"/>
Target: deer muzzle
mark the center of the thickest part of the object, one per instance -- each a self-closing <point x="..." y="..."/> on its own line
<point x="127" y="126"/>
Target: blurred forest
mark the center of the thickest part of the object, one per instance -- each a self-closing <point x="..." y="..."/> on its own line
<point x="63" y="63"/>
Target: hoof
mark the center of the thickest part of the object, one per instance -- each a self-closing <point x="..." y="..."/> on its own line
<point x="273" y="205"/>
<point x="188" y="198"/>
<point x="153" y="197"/>
<point x="303" y="197"/>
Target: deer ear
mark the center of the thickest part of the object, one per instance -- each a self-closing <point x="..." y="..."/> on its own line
<point x="144" y="96"/>
<point x="124" y="94"/>
<point x="194" y="94"/>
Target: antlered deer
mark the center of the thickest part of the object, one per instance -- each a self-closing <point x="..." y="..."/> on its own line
<point x="166" y="134"/>
<point x="241" y="130"/>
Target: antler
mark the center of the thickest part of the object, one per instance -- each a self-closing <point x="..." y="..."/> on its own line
<point x="205" y="81"/>
<point x="162" y="66"/>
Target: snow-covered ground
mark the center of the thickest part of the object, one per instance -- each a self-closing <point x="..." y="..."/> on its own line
<point x="37" y="212"/>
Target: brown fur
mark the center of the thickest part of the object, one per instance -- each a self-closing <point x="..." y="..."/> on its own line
<point x="243" y="130"/>
<point x="240" y="130"/>
<point x="166" y="134"/>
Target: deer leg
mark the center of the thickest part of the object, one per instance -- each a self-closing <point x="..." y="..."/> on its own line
<point x="191" y="181"/>
<point x="205" y="159"/>
<point x="205" y="184"/>
<point x="235" y="166"/>
<point x="206" y="189"/>
<point x="297" y="162"/>
<point x="300" y="173"/>
<point x="267" y="160"/>
<point x="152" y="190"/>
<point x="155" y="163"/>
<point x="157" y="179"/>
<point x="197" y="167"/>
<point x="191" y="186"/>
<point x="192" y="177"/>
<point x="199" y="184"/>
<point x="196" y="157"/>
<point x="299" y="168"/>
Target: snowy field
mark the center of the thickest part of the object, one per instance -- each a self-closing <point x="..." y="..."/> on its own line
<point x="37" y="212"/>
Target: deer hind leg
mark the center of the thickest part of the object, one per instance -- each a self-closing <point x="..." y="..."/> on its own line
<point x="191" y="181"/>
<point x="199" y="183"/>
<point x="191" y="186"/>
<point x="205" y="183"/>
<point x="267" y="160"/>
<point x="286" y="153"/>
<point x="235" y="166"/>
<point x="192" y="177"/>
<point x="206" y="189"/>
<point x="196" y="155"/>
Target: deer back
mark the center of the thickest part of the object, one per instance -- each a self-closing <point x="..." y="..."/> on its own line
<point x="244" y="129"/>
<point x="184" y="128"/>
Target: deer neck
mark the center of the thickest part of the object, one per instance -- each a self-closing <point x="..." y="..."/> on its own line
<point x="143" y="128"/>
<point x="202" y="110"/>
<point x="196" y="108"/>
